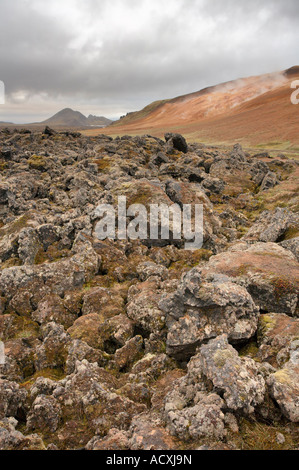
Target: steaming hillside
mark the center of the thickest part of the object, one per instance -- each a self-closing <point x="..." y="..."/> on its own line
<point x="253" y="110"/>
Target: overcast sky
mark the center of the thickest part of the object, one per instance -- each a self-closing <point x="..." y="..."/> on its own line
<point x="109" y="57"/>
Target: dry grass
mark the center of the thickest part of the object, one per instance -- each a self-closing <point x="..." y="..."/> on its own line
<point x="258" y="436"/>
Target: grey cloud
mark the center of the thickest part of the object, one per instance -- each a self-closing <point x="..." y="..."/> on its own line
<point x="127" y="53"/>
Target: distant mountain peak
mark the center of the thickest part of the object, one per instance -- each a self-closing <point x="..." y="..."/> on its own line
<point x="67" y="117"/>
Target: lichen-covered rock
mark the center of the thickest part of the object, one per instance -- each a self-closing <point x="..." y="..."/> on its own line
<point x="13" y="326"/>
<point x="129" y="352"/>
<point x="10" y="439"/>
<point x="284" y="388"/>
<point x="11" y="237"/>
<point x="292" y="245"/>
<point x="181" y="193"/>
<point x="88" y="324"/>
<point x="200" y="310"/>
<point x="52" y="353"/>
<point x="115" y="440"/>
<point x="217" y="381"/>
<point x="137" y="392"/>
<point x="45" y="415"/>
<point x="12" y="398"/>
<point x="79" y="350"/>
<point x="238" y="380"/>
<point x="148" y="269"/>
<point x="268" y="271"/>
<point x="42" y="386"/>
<point x="148" y="433"/>
<point x="203" y="418"/>
<point x="258" y="171"/>
<point x="88" y="396"/>
<point x="272" y="225"/>
<point x="5" y="193"/>
<point x="102" y="302"/>
<point x="21" y="351"/>
<point x="269" y="181"/>
<point x="150" y="367"/>
<point x="191" y="411"/>
<point x="52" y="309"/>
<point x="28" y="245"/>
<point x="164" y="385"/>
<point x="278" y="336"/>
<point x="57" y="277"/>
<point x="121" y="330"/>
<point x="213" y="185"/>
<point x="143" y="308"/>
<point x="87" y="329"/>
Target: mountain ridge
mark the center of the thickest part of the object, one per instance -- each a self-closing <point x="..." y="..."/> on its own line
<point x="67" y="117"/>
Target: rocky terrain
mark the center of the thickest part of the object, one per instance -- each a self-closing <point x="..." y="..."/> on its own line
<point x="143" y="344"/>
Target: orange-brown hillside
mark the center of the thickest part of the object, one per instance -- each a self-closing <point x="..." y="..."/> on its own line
<point x="254" y="110"/>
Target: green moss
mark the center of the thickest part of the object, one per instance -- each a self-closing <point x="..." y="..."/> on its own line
<point x="87" y="286"/>
<point x="266" y="323"/>
<point x="53" y="374"/>
<point x="190" y="259"/>
<point x="291" y="232"/>
<point x="37" y="162"/>
<point x="26" y="328"/>
<point x="40" y="257"/>
<point x="3" y="166"/>
<point x="103" y="165"/>
<point x="142" y="197"/>
<point x="250" y="350"/>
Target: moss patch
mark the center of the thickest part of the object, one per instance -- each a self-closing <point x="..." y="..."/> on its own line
<point x="36" y="162"/>
<point x="250" y="350"/>
<point x="53" y="374"/>
<point x="103" y="165"/>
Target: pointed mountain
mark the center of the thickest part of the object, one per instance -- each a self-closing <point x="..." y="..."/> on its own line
<point x="69" y="118"/>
